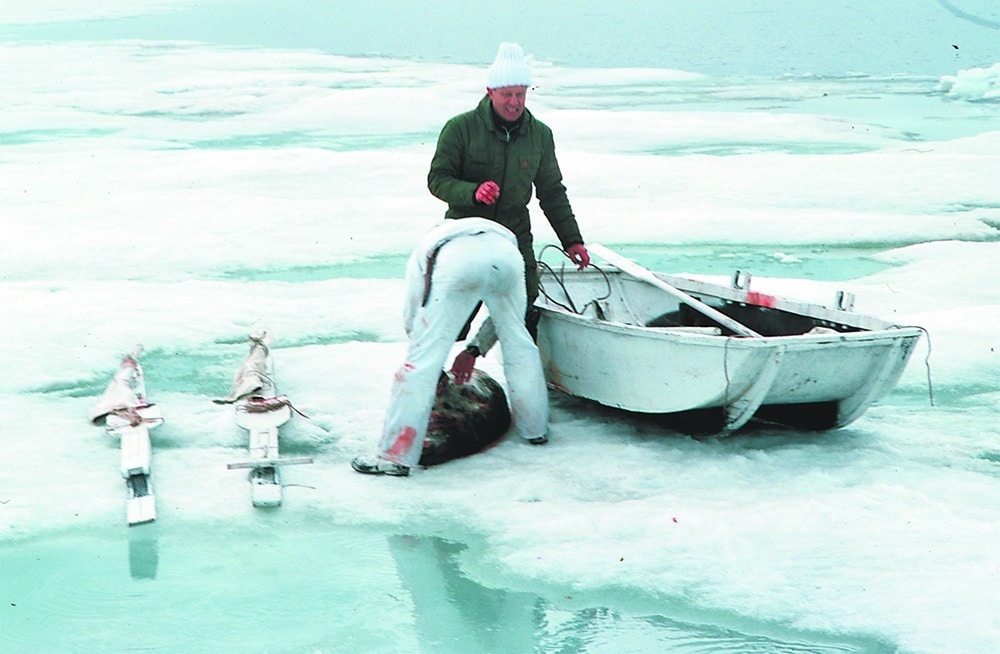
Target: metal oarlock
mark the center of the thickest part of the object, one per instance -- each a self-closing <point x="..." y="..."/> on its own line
<point x="845" y="300"/>
<point x="741" y="280"/>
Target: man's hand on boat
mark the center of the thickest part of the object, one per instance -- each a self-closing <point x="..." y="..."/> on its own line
<point x="578" y="254"/>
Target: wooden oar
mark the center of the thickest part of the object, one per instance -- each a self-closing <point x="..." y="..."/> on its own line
<point x="635" y="270"/>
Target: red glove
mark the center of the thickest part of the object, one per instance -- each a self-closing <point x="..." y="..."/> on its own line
<point x="578" y="254"/>
<point x="461" y="369"/>
<point x="488" y="192"/>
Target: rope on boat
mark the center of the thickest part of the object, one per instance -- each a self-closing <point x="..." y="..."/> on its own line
<point x="927" y="358"/>
<point x="558" y="277"/>
<point x="725" y="371"/>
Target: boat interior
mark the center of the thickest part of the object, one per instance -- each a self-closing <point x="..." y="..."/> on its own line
<point x="616" y="297"/>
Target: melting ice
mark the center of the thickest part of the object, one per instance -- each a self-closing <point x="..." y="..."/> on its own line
<point x="181" y="194"/>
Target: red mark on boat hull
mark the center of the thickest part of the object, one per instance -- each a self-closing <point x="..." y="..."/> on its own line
<point x="760" y="299"/>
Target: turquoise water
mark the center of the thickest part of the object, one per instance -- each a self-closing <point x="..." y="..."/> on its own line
<point x="821" y="263"/>
<point x="173" y="586"/>
<point x="719" y="37"/>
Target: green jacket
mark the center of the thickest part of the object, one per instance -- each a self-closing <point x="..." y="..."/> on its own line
<point x="472" y="149"/>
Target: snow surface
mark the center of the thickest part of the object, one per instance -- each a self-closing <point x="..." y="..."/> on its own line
<point x="181" y="195"/>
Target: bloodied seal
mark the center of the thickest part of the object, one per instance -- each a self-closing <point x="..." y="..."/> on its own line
<point x="466" y="418"/>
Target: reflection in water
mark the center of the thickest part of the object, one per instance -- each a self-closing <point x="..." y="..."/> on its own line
<point x="143" y="551"/>
<point x="339" y="589"/>
<point x="454" y="614"/>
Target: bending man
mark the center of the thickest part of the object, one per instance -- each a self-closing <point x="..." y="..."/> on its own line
<point x="456" y="266"/>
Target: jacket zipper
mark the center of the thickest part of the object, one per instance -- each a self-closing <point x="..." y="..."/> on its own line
<point x="503" y="176"/>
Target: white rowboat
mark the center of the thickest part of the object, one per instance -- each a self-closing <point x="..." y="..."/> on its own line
<point x="653" y="343"/>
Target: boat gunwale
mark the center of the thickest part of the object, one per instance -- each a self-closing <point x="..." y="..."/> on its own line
<point x="747" y="297"/>
<point x="696" y="337"/>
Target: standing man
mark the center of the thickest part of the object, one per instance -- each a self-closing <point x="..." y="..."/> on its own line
<point x="488" y="160"/>
<point x="456" y="266"/>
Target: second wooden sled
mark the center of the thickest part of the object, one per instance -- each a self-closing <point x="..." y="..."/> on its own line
<point x="260" y="410"/>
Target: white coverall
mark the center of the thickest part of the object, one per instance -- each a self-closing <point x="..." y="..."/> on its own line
<point x="470" y="260"/>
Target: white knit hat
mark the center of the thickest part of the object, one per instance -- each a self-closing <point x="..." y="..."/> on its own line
<point x="509" y="68"/>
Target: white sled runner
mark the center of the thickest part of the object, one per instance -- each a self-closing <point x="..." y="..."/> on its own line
<point x="126" y="413"/>
<point x="260" y="410"/>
